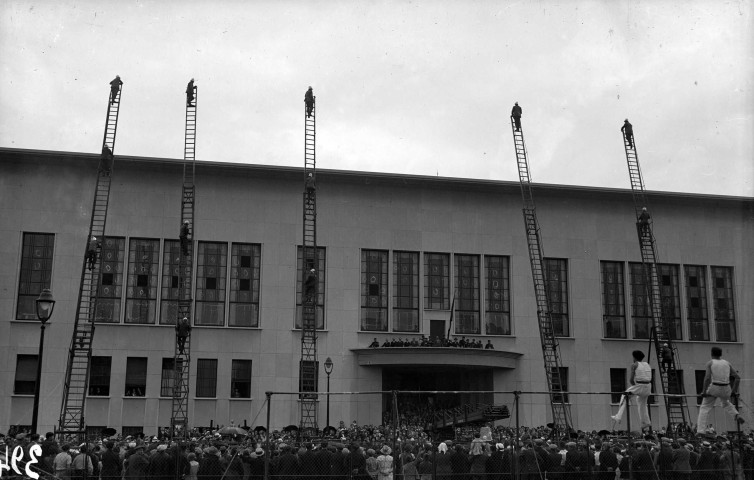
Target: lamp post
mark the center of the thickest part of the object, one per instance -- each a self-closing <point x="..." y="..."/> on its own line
<point x="45" y="304"/>
<point x="328" y="371"/>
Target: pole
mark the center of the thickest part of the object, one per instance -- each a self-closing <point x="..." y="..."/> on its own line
<point x="327" y="423"/>
<point x="35" y="412"/>
<point x="517" y="394"/>
<point x="629" y="452"/>
<point x="267" y="439"/>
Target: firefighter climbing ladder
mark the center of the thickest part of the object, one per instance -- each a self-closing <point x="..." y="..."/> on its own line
<point x="182" y="357"/>
<point x="675" y="407"/>
<point x="308" y="364"/>
<point x="80" y="352"/>
<point x="561" y="413"/>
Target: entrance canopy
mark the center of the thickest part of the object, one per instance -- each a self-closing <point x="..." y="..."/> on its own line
<point x="436" y="356"/>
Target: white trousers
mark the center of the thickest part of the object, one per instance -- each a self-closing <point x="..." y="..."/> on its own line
<point x="641" y="391"/>
<point x="713" y="393"/>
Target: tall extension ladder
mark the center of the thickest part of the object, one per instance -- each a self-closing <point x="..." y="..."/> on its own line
<point x="675" y="407"/>
<point x="79" y="355"/>
<point x="561" y="412"/>
<point x="182" y="360"/>
<point x="308" y="364"/>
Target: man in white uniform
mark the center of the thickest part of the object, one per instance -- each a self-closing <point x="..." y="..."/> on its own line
<point x="721" y="381"/>
<point x="640" y="380"/>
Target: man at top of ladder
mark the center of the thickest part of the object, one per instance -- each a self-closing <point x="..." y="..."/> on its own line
<point x="114" y="88"/>
<point x="516" y="114"/>
<point x="309" y="99"/>
<point x="628" y="131"/>
<point x="190" y="93"/>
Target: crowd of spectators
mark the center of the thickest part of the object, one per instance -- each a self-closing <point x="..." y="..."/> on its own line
<point x="408" y="452"/>
<point x="434" y="341"/>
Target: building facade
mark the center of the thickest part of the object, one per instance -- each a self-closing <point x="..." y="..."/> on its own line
<point x="396" y="252"/>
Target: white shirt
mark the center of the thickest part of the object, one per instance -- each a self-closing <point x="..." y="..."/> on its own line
<point x="643" y="372"/>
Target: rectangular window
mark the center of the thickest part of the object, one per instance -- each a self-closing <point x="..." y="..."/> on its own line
<point x="129" y="431"/>
<point x="240" y="379"/>
<point x="466" y="269"/>
<point x="111" y="280"/>
<point x="168" y="376"/>
<point x="141" y="286"/>
<point x="405" y="291"/>
<point x="722" y="298"/>
<point x="136" y="376"/>
<point x="559" y="384"/>
<point x="99" y="376"/>
<point x="696" y="302"/>
<point x="675" y="386"/>
<point x="246" y="260"/>
<point x="641" y="301"/>
<point x="651" y="400"/>
<point x="670" y="293"/>
<point x="211" y="274"/>
<point x="206" y="378"/>
<point x="617" y="384"/>
<point x="613" y="300"/>
<point x="170" y="291"/>
<point x="436" y="281"/>
<point x="36" y="272"/>
<point x="374" y="290"/>
<point x="26" y="374"/>
<point x="319" y="301"/>
<point x="556" y="276"/>
<point x="497" y="301"/>
<point x="699" y="380"/>
<point x="308" y="376"/>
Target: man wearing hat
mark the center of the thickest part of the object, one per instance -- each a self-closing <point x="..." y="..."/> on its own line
<point x="137" y="464"/>
<point x="309" y="101"/>
<point x="641" y="379"/>
<point x="161" y="466"/>
<point x="681" y="461"/>
<point x="628" y="131"/>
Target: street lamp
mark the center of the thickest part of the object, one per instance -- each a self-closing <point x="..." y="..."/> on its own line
<point x="328" y="371"/>
<point x="45" y="305"/>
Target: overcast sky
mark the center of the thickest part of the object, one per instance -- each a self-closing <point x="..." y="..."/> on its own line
<point x="419" y="87"/>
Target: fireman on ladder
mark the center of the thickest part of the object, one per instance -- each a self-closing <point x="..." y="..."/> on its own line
<point x="628" y="131"/>
<point x="643" y="222"/>
<point x="182" y="330"/>
<point x="190" y="93"/>
<point x="184" y="238"/>
<point x="107" y="160"/>
<point x="114" y="88"/>
<point x="309" y="284"/>
<point x="91" y="252"/>
<point x="310" y="184"/>
<point x="516" y="114"/>
<point x="309" y="100"/>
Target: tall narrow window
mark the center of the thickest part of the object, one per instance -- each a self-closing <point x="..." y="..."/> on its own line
<point x="696" y="302"/>
<point x="244" y="285"/>
<point x="562" y="374"/>
<point x="141" y="290"/>
<point x="641" y="302"/>
<point x="167" y="381"/>
<point x="136" y="376"/>
<point x="670" y="295"/>
<point x="240" y="379"/>
<point x="405" y="291"/>
<point x="613" y="300"/>
<point x="675" y="386"/>
<point x="99" y="376"/>
<point x="436" y="281"/>
<point x="374" y="290"/>
<point x="170" y="291"/>
<point x="319" y="312"/>
<point x="617" y="384"/>
<point x="111" y="279"/>
<point x="26" y="375"/>
<point x="497" y="301"/>
<point x="467" y="291"/>
<point x="722" y="296"/>
<point x="556" y="276"/>
<point x="211" y="274"/>
<point x="206" y="377"/>
<point x="699" y="380"/>
<point x="36" y="272"/>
